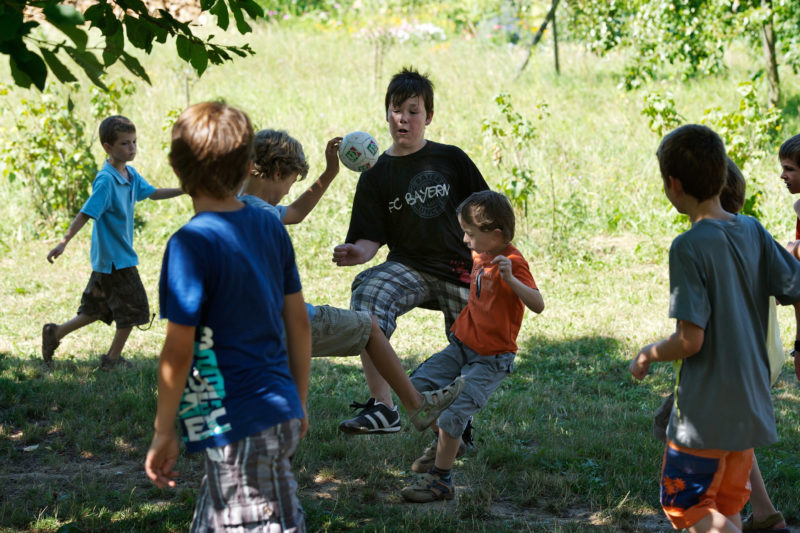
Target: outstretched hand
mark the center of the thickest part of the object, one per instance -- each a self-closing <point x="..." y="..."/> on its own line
<point x="332" y="155"/>
<point x="640" y="365"/>
<point x="55" y="252"/>
<point x="347" y="255"/>
<point x="161" y="458"/>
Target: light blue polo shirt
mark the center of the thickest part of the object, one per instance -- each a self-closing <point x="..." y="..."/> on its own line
<point x="111" y="207"/>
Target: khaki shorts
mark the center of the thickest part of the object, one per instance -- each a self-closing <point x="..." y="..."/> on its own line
<point x="339" y="332"/>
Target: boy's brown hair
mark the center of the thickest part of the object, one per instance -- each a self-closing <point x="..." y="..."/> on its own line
<point x="732" y="195"/>
<point x="409" y="83"/>
<point x="277" y="151"/>
<point x="211" y="147"/>
<point x="790" y="149"/>
<point x="112" y="126"/>
<point x="695" y="155"/>
<point x="488" y="211"/>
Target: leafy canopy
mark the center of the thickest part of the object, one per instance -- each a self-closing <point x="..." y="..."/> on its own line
<point x="122" y="23"/>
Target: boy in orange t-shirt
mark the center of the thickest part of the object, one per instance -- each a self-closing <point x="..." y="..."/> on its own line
<point x="483" y="337"/>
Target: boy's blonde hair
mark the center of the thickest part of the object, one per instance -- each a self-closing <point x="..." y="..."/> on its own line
<point x="695" y="155"/>
<point x="211" y="147"/>
<point x="277" y="151"/>
<point x="790" y="149"/>
<point x="488" y="211"/>
<point x="732" y="195"/>
<point x="112" y="126"/>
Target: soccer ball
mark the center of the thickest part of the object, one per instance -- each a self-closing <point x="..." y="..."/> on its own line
<point x="358" y="151"/>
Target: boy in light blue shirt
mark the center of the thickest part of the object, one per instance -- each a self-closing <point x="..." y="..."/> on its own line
<point x="115" y="291"/>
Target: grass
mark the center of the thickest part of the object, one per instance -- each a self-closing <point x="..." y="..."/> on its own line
<point x="564" y="445"/>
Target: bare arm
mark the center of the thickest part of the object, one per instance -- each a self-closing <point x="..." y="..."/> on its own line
<point x="297" y="211"/>
<point x="531" y="297"/>
<point x="78" y="222"/>
<point x="685" y="342"/>
<point x="173" y="369"/>
<point x="298" y="344"/>
<point x="355" y="254"/>
<point x="163" y="194"/>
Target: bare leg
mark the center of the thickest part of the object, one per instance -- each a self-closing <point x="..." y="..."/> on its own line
<point x="77" y="322"/>
<point x="446" y="450"/>
<point x="759" y="499"/>
<point x="385" y="363"/>
<point x="716" y="522"/>
<point x="120" y="337"/>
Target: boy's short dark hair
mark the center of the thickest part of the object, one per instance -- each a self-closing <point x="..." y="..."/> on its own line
<point x="211" y="147"/>
<point x="732" y="195"/>
<point x="488" y="211"/>
<point x="790" y="149"/>
<point x="112" y="126"/>
<point x="409" y="83"/>
<point x="276" y="150"/>
<point x="695" y="155"/>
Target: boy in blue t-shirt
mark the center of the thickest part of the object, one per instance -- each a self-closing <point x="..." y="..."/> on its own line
<point x="115" y="291"/>
<point x="228" y="285"/>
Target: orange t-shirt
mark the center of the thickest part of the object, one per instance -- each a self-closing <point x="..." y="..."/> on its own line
<point x="490" y="322"/>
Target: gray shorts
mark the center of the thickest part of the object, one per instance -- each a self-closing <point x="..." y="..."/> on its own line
<point x="482" y="373"/>
<point x="249" y="486"/>
<point x="391" y="289"/>
<point x="339" y="332"/>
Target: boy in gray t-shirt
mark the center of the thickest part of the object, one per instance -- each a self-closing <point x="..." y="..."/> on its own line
<point x="722" y="272"/>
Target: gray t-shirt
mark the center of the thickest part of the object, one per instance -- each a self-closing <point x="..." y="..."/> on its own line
<point x="721" y="276"/>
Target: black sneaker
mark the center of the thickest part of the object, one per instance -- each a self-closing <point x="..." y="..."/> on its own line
<point x="374" y="418"/>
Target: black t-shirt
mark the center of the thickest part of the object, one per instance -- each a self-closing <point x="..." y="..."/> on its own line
<point x="409" y="203"/>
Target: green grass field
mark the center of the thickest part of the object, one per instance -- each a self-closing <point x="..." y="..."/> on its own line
<point x="564" y="445"/>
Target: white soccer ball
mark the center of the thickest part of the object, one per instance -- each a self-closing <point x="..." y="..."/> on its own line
<point x="359" y="151"/>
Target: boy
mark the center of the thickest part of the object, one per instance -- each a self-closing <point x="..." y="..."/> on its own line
<point x="722" y="272"/>
<point x="115" y="291"/>
<point x="789" y="156"/>
<point x="483" y="337"/>
<point x="228" y="284"/>
<point x="407" y="201"/>
<point x="278" y="162"/>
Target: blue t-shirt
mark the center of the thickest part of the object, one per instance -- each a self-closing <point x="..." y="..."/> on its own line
<point x="280" y="212"/>
<point x="111" y="207"/>
<point x="227" y="274"/>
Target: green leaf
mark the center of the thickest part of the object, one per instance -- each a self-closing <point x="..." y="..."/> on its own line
<point x="252" y="8"/>
<point x="77" y="35"/>
<point x="62" y="14"/>
<point x="133" y="65"/>
<point x="90" y="65"/>
<point x="199" y="58"/>
<point x="241" y="25"/>
<point x="139" y="34"/>
<point x="184" y="47"/>
<point x="21" y="78"/>
<point x="220" y="9"/>
<point x="55" y="65"/>
<point x="96" y="15"/>
<point x="10" y="25"/>
<point x="30" y="64"/>
<point x="205" y="5"/>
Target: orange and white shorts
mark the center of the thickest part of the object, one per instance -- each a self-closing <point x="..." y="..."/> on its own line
<point x="695" y="482"/>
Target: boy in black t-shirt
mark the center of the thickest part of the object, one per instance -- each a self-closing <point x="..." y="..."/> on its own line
<point x="407" y="201"/>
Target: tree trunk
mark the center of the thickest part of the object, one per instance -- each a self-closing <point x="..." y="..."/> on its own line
<point x="555" y="44"/>
<point x="538" y="35"/>
<point x="768" y="40"/>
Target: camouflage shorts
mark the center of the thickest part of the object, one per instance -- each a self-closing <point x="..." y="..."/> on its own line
<point x="118" y="296"/>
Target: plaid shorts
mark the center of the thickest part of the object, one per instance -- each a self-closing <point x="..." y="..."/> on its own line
<point x="482" y="373"/>
<point x="249" y="486"/>
<point x="118" y="296"/>
<point x="391" y="289"/>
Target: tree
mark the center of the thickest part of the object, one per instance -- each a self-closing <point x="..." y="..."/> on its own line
<point x="32" y="55"/>
<point x="691" y="35"/>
